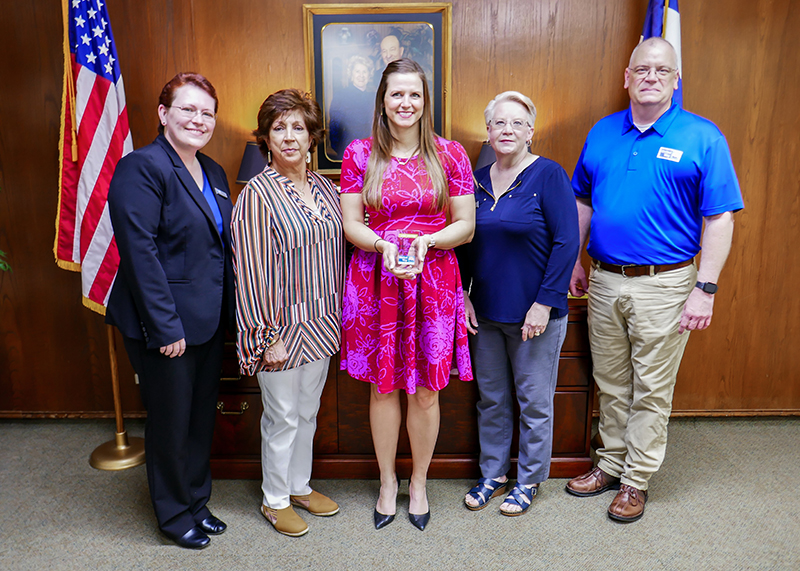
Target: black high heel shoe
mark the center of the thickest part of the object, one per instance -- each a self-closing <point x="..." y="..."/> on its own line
<point x="382" y="520"/>
<point x="420" y="520"/>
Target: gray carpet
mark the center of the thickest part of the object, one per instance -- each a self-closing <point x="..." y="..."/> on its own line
<point x="726" y="498"/>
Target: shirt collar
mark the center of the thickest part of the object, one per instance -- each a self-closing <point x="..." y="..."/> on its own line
<point x="660" y="126"/>
<point x="483" y="176"/>
<point x="275" y="175"/>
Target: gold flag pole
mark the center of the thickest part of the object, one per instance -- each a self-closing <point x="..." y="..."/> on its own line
<point x="122" y="452"/>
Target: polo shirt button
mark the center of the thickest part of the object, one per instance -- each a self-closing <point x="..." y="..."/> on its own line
<point x="635" y="153"/>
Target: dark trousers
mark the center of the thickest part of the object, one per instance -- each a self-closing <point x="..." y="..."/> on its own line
<point x="180" y="396"/>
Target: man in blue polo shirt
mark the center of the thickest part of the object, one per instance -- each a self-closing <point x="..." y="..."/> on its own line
<point x="647" y="180"/>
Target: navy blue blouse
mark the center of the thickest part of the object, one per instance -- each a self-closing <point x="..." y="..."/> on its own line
<point x="525" y="244"/>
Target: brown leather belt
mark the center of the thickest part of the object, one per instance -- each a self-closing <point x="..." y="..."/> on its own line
<point x="633" y="271"/>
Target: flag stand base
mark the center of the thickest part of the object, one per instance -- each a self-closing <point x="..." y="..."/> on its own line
<point x="118" y="454"/>
<point x="122" y="452"/>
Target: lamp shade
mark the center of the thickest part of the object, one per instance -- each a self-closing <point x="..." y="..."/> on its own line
<point x="486" y="157"/>
<point x="253" y="162"/>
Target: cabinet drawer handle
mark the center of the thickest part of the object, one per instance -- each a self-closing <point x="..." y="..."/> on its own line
<point x="242" y="407"/>
<point x="231" y="379"/>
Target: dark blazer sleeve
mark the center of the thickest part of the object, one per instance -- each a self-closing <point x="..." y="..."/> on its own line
<point x="219" y="182"/>
<point x="135" y="200"/>
<point x="174" y="265"/>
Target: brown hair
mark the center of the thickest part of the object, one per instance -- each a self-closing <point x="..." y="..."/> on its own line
<point x="285" y="101"/>
<point x="185" y="78"/>
<point x="382" y="141"/>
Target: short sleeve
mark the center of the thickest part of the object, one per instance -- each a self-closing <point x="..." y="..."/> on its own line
<point x="457" y="168"/>
<point x="719" y="189"/>
<point x="354" y="165"/>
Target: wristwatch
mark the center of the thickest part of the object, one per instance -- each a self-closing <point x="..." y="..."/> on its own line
<point x="707" y="287"/>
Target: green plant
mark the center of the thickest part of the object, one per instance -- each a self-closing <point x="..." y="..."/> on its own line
<point x="3" y="263"/>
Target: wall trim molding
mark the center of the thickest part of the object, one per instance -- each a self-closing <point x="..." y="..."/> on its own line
<point x="732" y="413"/>
<point x="102" y="414"/>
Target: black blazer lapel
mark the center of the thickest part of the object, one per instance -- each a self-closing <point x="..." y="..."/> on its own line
<point x="219" y="186"/>
<point x="187" y="181"/>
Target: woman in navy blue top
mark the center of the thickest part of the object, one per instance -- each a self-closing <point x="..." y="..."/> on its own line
<point x="516" y="273"/>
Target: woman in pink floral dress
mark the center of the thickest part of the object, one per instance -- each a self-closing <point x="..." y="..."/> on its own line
<point x="403" y="319"/>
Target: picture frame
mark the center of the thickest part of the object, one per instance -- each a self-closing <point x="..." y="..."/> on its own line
<point x="347" y="47"/>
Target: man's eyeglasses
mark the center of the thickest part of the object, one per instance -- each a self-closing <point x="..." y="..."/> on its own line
<point x="643" y="71"/>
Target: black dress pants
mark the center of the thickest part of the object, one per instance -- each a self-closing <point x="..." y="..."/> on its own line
<point x="180" y="396"/>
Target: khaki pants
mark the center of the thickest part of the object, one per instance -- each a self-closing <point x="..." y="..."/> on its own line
<point x="636" y="352"/>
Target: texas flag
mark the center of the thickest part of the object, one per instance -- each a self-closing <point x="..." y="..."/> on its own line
<point x="664" y="20"/>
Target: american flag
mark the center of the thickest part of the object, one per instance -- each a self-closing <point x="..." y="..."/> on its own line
<point x="94" y="136"/>
<point x="664" y="19"/>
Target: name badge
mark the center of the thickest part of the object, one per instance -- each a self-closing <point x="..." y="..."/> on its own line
<point x="670" y="154"/>
<point x="220" y="193"/>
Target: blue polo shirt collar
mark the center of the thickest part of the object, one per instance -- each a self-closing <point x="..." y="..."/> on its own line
<point x="661" y="126"/>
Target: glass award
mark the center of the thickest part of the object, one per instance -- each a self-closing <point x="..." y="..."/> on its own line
<point x="406" y="254"/>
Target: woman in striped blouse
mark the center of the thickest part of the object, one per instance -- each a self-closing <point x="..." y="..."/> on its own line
<point x="288" y="255"/>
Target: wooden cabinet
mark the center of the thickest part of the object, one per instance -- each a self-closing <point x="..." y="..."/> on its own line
<point x="343" y="443"/>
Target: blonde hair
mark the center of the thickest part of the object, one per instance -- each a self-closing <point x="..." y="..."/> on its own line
<point x="383" y="141"/>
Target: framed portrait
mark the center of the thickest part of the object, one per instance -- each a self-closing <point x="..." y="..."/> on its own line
<point x="347" y="48"/>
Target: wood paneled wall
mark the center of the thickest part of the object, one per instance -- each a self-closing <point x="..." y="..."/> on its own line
<point x="740" y="70"/>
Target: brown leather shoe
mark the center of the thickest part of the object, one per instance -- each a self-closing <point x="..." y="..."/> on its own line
<point x="592" y="484"/>
<point x="628" y="506"/>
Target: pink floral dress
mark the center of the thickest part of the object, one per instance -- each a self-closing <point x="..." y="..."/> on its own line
<point x="403" y="334"/>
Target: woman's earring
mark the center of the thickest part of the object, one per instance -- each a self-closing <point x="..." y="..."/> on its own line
<point x="308" y="157"/>
<point x="269" y="157"/>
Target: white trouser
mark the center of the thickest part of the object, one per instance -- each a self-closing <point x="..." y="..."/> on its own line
<point x="291" y="402"/>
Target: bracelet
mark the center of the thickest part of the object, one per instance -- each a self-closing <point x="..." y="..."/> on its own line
<point x="375" y="245"/>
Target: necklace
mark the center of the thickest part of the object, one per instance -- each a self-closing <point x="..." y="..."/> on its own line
<point x="404" y="159"/>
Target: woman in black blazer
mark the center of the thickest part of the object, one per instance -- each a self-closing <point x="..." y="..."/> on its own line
<point x="173" y="299"/>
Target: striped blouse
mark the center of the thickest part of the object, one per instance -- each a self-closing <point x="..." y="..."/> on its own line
<point x="288" y="261"/>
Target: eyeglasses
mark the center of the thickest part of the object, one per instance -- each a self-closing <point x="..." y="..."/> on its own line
<point x="500" y="124"/>
<point x="189" y="112"/>
<point x="643" y="71"/>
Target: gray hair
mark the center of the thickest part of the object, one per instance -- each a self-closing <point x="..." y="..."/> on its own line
<point x="357" y="60"/>
<point x="516" y="97"/>
<point x="655" y="41"/>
